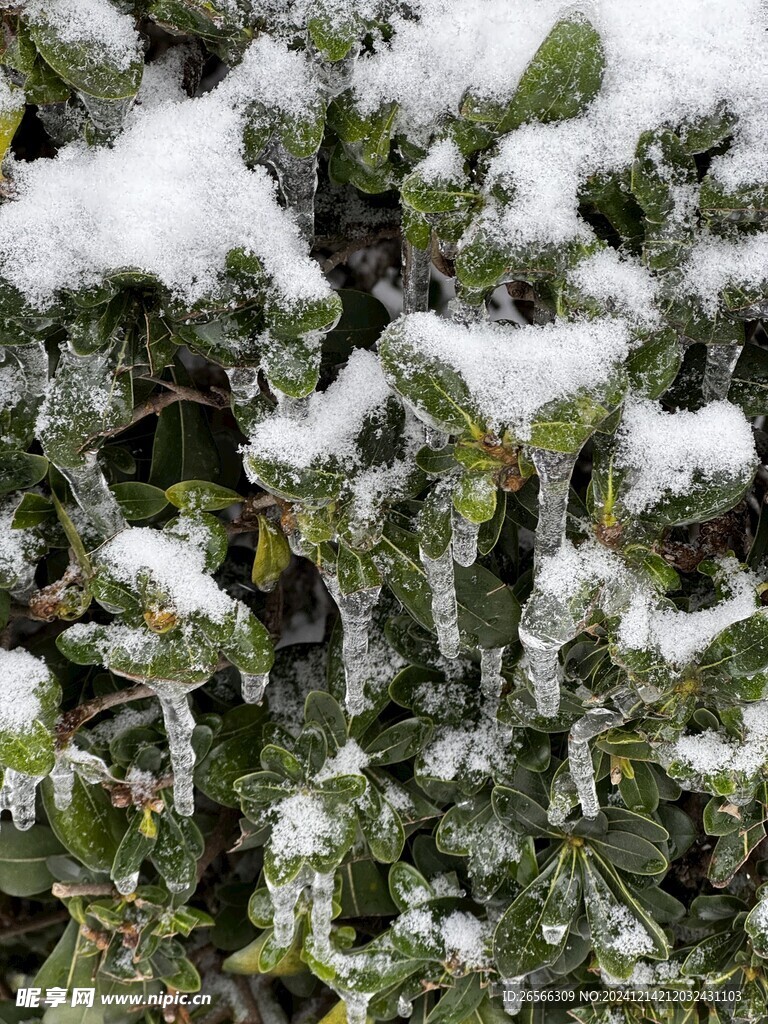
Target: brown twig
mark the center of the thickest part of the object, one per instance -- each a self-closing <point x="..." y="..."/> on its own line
<point x="70" y="721"/>
<point x="35" y="924"/>
<point x="63" y="890"/>
<point x="360" y="243"/>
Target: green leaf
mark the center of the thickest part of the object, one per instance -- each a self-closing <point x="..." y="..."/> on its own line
<point x="534" y="929"/>
<point x="90" y="828"/>
<point x="363" y="319"/>
<point x="488" y="612"/>
<point x="564" y="76"/>
<point x="86" y="65"/>
<point x="233" y="755"/>
<point x="23" y="856"/>
<point x="20" y="470"/>
<point x="201" y="496"/>
<point x="184" y="448"/>
<point x="33" y="509"/>
<point x="273" y="555"/>
<point x="139" y="501"/>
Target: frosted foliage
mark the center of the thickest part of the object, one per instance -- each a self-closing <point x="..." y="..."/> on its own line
<point x="619" y="283"/>
<point x="667" y="451"/>
<point x="678" y="636"/>
<point x="328" y="423"/>
<point x="712" y="753"/>
<point x="512" y="373"/>
<point x="716" y="262"/>
<point x="666" y="64"/>
<point x="440" y="576"/>
<point x="92" y="210"/>
<point x="444" y="162"/>
<point x="147" y="559"/>
<point x="93" y="22"/>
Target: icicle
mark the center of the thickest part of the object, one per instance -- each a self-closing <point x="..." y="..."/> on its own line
<point x="356" y="611"/>
<point x="439" y="572"/>
<point x="18" y="796"/>
<point x="583" y="774"/>
<point x="284" y="899"/>
<point x="63" y="779"/>
<point x="435" y="439"/>
<point x="718" y="369"/>
<point x="179" y="725"/>
<point x="580" y="758"/>
<point x="92" y="494"/>
<point x="543" y="671"/>
<point x="554" y="470"/>
<point x="417" y="265"/>
<point x="125" y="886"/>
<point x="404" y="1007"/>
<point x="244" y="383"/>
<point x="322" y="911"/>
<point x="553" y="933"/>
<point x="512" y="987"/>
<point x="297" y="177"/>
<point x="357" y="1006"/>
<point x="465" y="536"/>
<point x="253" y="686"/>
<point x="491" y="680"/>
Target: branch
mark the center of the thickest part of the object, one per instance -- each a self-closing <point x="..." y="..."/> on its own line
<point x="70" y="721"/>
<point x="63" y="890"/>
<point x="35" y="923"/>
<point x="360" y="243"/>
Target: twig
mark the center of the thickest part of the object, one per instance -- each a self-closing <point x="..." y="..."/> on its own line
<point x="215" y="398"/>
<point x="35" y="924"/>
<point x="360" y="243"/>
<point x="63" y="890"/>
<point x="70" y="721"/>
<point x="218" y="841"/>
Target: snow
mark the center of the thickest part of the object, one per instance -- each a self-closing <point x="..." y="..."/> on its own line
<point x="715" y="263"/>
<point x="618" y="283"/>
<point x="462" y="935"/>
<point x="443" y="163"/>
<point x="348" y="760"/>
<point x="171" y="197"/>
<point x="95" y="23"/>
<point x="11" y="99"/>
<point x="678" y="636"/>
<point x="22" y="678"/>
<point x="712" y="753"/>
<point x="512" y="373"/>
<point x="666" y="65"/>
<point x="667" y="452"/>
<point x="328" y="424"/>
<point x="175" y="567"/>
<point x="303" y="826"/>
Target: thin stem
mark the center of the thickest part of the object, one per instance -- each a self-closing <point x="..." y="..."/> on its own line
<point x="70" y="721"/>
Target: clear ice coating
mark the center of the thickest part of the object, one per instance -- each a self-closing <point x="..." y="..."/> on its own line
<point x="253" y="686"/>
<point x="554" y="470"/>
<point x="107" y="115"/>
<point x="583" y="774"/>
<point x="491" y="680"/>
<point x="17" y="795"/>
<point x="284" y="899"/>
<point x="63" y="779"/>
<point x="543" y="671"/>
<point x="297" y="178"/>
<point x="439" y="573"/>
<point x="356" y="611"/>
<point x="417" y="265"/>
<point x="464" y="539"/>
<point x="179" y="726"/>
<point x="718" y="370"/>
<point x="125" y="886"/>
<point x="322" y="911"/>
<point x="357" y="1006"/>
<point x="91" y="492"/>
<point x="512" y="988"/>
<point x="594" y="723"/>
<point x="404" y="1007"/>
<point x="553" y="933"/>
<point x="435" y="438"/>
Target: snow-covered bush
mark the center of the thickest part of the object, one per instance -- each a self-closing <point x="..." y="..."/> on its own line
<point x="383" y="536"/>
